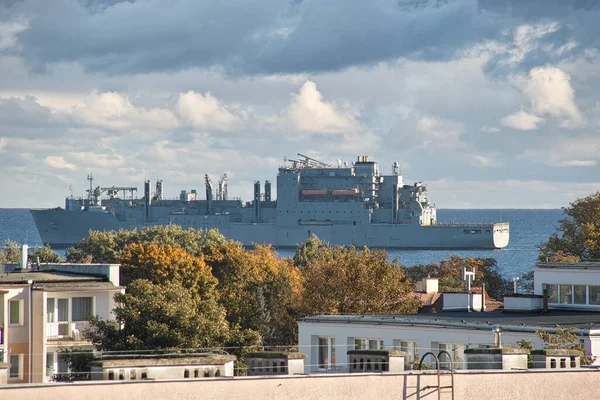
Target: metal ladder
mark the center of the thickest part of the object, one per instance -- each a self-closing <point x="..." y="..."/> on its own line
<point x="439" y="387"/>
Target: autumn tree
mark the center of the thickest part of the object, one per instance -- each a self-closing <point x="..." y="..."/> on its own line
<point x="108" y="246"/>
<point x="346" y="280"/>
<point x="10" y="252"/>
<point x="259" y="290"/>
<point x="578" y="236"/>
<point x="449" y="272"/>
<point x="160" y="263"/>
<point x="311" y="249"/>
<point x="45" y="255"/>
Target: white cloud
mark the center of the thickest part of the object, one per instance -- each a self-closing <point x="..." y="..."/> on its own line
<point x="9" y="30"/>
<point x="522" y="120"/>
<point x="206" y="112"/>
<point x="551" y="93"/>
<point x="490" y="129"/>
<point x="58" y="162"/>
<point x="567" y="152"/>
<point x="115" y="111"/>
<point x="3" y="143"/>
<point x="310" y="113"/>
<point x="440" y="132"/>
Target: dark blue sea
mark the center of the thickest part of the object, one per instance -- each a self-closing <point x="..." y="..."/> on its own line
<point x="528" y="228"/>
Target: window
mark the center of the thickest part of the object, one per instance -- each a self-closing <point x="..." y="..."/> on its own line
<point x="579" y="294"/>
<point x="326" y="347"/>
<point x="411" y="348"/>
<point x="82" y="308"/>
<point x="368" y="343"/>
<point x="15" y="312"/>
<point x="50" y="309"/>
<point x="15" y="367"/>
<point x="595" y="295"/>
<point x="566" y="294"/>
<point x="552" y="293"/>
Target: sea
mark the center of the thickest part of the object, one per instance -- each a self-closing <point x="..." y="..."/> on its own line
<point x="528" y="229"/>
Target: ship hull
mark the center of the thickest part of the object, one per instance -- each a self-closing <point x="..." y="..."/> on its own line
<point x="59" y="229"/>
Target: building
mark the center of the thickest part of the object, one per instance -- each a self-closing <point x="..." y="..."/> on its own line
<point x="44" y="308"/>
<point x="571" y="299"/>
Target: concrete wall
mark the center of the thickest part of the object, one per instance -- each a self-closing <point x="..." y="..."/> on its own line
<point x="499" y="385"/>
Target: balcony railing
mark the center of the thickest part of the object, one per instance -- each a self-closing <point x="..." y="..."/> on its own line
<point x="66" y="330"/>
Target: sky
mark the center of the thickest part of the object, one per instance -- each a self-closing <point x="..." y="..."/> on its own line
<point x="491" y="103"/>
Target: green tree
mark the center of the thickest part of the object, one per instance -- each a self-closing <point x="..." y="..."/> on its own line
<point x="578" y="236"/>
<point x="353" y="281"/>
<point x="311" y="249"/>
<point x="10" y="252"/>
<point x="107" y="247"/>
<point x="166" y="316"/>
<point x="45" y="255"/>
<point x="449" y="272"/>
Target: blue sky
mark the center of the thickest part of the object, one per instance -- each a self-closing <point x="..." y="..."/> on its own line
<point x="492" y="103"/>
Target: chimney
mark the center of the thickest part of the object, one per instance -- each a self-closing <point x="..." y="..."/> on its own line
<point x="24" y="249"/>
<point x="545" y="299"/>
<point x="428" y="285"/>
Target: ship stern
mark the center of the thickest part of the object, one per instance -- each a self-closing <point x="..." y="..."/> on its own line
<point x="501" y="234"/>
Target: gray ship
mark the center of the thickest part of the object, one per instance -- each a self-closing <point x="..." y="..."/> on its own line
<point x="343" y="204"/>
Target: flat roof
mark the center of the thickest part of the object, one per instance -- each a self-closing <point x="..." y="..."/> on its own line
<point x="577" y="265"/>
<point x="476" y="320"/>
<point x="55" y="280"/>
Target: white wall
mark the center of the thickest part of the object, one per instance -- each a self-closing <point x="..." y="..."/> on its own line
<point x="425" y="335"/>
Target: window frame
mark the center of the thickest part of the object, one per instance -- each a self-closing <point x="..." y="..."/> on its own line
<point x="330" y="360"/>
<point x="21" y="312"/>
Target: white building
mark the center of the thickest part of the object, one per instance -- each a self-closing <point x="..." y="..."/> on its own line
<point x="46" y="308"/>
<point x="573" y="299"/>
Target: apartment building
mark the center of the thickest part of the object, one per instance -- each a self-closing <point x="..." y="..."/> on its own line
<point x="564" y="294"/>
<point x="44" y="308"/>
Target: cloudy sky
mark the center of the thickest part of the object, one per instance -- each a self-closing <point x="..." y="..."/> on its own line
<point x="492" y="103"/>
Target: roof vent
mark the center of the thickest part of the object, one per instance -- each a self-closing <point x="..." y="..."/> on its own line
<point x="24" y="250"/>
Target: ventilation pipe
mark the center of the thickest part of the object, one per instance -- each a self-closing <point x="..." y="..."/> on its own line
<point x="24" y="250"/>
<point x="497" y="336"/>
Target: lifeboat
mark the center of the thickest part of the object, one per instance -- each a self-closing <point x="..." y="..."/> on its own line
<point x="314" y="192"/>
<point x="345" y="192"/>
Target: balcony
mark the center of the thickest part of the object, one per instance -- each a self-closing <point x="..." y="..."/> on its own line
<point x="66" y="330"/>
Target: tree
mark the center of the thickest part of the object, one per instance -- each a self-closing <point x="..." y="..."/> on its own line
<point x="161" y="263"/>
<point x="259" y="290"/>
<point x="10" y="252"/>
<point x="45" y="255"/>
<point x="167" y="316"/>
<point x="564" y="338"/>
<point x="107" y="247"/>
<point x="449" y="272"/>
<point x="578" y="236"/>
<point x="311" y="249"/>
<point x="353" y="281"/>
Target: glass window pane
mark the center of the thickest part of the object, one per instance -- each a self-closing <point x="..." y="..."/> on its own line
<point x="332" y="340"/>
<point x="63" y="310"/>
<point x="49" y="364"/>
<point x="594" y="295"/>
<point x="14" y="366"/>
<point x="50" y="309"/>
<point x="82" y="308"/>
<point x="566" y="294"/>
<point x="579" y="294"/>
<point x="552" y="293"/>
<point x="323" y="352"/>
<point x="373" y="344"/>
<point x="360" y="344"/>
<point x="15" y="312"/>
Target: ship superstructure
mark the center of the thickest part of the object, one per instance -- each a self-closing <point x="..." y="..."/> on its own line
<point x="345" y="204"/>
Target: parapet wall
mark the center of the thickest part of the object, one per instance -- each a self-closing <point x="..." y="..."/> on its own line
<point x="468" y="385"/>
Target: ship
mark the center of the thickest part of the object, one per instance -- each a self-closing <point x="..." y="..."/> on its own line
<point x="341" y="203"/>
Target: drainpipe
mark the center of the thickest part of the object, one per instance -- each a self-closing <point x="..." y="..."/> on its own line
<point x="30" y="333"/>
<point x="483" y="297"/>
<point x="545" y="299"/>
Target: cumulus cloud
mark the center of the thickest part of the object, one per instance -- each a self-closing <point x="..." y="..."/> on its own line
<point x="206" y="112"/>
<point x="58" y="162"/>
<point x="551" y="93"/>
<point x="522" y="120"/>
<point x="310" y="113"/>
<point x="114" y="111"/>
<point x="440" y="132"/>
